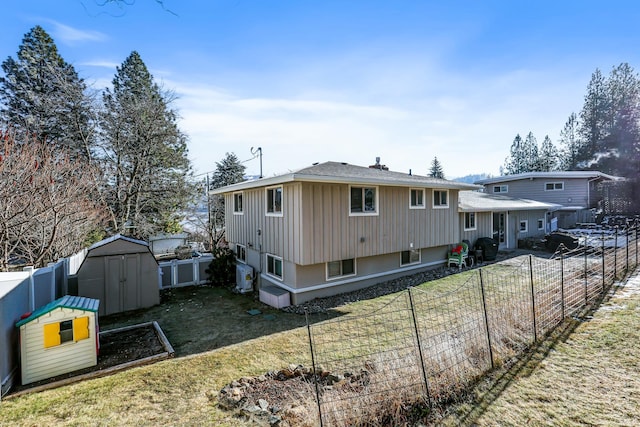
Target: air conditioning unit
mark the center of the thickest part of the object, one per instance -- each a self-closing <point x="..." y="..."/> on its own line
<point x="244" y="278"/>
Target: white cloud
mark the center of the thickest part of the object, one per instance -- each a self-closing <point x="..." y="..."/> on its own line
<point x="72" y="35"/>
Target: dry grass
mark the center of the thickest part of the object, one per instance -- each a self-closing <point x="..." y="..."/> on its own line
<point x="585" y="374"/>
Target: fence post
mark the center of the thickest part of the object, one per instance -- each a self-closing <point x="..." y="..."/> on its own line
<point x="533" y="300"/>
<point x="486" y="318"/>
<point x="615" y="255"/>
<point x="313" y="365"/>
<point x="604" y="280"/>
<point x="626" y="246"/>
<point x="586" y="277"/>
<point x="562" y="279"/>
<point x="636" y="242"/>
<point x="415" y="326"/>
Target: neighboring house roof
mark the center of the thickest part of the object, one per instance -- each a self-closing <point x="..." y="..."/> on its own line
<point x="344" y="173"/>
<point x="117" y="237"/>
<point x="68" y="301"/>
<point x="474" y="201"/>
<point x="550" y="175"/>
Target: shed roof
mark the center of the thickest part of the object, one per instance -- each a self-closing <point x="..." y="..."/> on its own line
<point x="344" y="173"/>
<point x="551" y="175"/>
<point x="474" y="201"/>
<point x="117" y="237"/>
<point x="68" y="301"/>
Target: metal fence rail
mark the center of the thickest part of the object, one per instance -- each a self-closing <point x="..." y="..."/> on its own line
<point x="424" y="346"/>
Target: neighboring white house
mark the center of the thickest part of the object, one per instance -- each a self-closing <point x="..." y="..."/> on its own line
<point x="59" y="337"/>
<point x="577" y="192"/>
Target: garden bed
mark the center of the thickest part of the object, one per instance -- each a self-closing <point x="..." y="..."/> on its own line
<point x="120" y="349"/>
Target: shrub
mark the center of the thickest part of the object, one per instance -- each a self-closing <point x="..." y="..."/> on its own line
<point x="222" y="269"/>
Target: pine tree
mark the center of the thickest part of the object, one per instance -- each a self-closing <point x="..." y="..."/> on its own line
<point x="228" y="171"/>
<point x="514" y="163"/>
<point x="548" y="156"/>
<point x="42" y="96"/>
<point x="593" y="118"/>
<point x="571" y="144"/>
<point x="145" y="154"/>
<point x="436" y="170"/>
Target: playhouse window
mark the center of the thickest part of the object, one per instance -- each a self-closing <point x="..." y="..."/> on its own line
<point x="66" y="331"/>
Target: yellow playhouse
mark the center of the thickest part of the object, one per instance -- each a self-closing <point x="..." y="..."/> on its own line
<point x="58" y="338"/>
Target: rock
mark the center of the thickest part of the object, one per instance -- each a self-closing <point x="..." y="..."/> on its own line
<point x="263" y="404"/>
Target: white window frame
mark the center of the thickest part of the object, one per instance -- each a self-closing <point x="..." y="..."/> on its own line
<point x="341" y="275"/>
<point x="434" y="199"/>
<point x="275" y="258"/>
<point x="241" y="249"/>
<point x="272" y="202"/>
<point x="502" y="188"/>
<point x="471" y="215"/>
<point x="540" y="223"/>
<point x="363" y="188"/>
<point x="554" y="185"/>
<point x="237" y="211"/>
<point x="526" y="226"/>
<point x="419" y="191"/>
<point x="411" y="251"/>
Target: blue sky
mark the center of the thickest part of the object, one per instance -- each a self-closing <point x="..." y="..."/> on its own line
<point x="315" y="81"/>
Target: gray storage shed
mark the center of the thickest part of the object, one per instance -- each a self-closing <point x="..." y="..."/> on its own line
<point x="122" y="273"/>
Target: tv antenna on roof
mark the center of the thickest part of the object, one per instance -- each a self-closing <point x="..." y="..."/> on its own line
<point x="259" y="151"/>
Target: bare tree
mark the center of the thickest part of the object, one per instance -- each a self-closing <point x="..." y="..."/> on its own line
<point x="47" y="203"/>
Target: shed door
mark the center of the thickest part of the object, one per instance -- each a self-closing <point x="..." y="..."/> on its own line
<point x="122" y="283"/>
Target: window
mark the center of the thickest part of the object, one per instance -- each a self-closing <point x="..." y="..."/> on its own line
<point x="241" y="253"/>
<point x="274" y="201"/>
<point x="524" y="226"/>
<point x="554" y="186"/>
<point x="274" y="266"/>
<point x="237" y="203"/>
<point x="500" y="188"/>
<point x="66" y="331"/>
<point x="363" y="200"/>
<point x="541" y="224"/>
<point x="416" y="198"/>
<point x="440" y="198"/>
<point x="410" y="257"/>
<point x="469" y="220"/>
<point x="346" y="267"/>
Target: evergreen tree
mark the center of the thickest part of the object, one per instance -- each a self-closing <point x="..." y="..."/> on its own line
<point x="228" y="171"/>
<point x="593" y="122"/>
<point x="514" y="163"/>
<point x="42" y="96"/>
<point x="531" y="159"/>
<point x="144" y="157"/>
<point x="436" y="170"/>
<point x="548" y="156"/>
<point x="571" y="144"/>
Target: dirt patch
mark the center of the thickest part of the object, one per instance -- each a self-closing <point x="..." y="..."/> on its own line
<point x="118" y="348"/>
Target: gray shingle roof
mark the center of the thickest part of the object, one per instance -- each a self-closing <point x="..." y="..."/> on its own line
<point x="550" y="175"/>
<point x="344" y="173"/>
<point x="473" y="201"/>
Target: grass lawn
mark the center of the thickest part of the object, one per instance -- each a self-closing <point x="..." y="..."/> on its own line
<point x="217" y="341"/>
<point x="586" y="375"/>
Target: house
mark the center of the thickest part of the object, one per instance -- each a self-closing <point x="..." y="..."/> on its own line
<point x="578" y="193"/>
<point x="59" y="337"/>
<point x="122" y="273"/>
<point x="505" y="219"/>
<point x="334" y="227"/>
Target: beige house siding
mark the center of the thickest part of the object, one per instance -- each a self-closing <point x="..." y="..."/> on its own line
<point x="329" y="233"/>
<point x="484" y="227"/>
<point x="311" y="281"/>
<point x="39" y="363"/>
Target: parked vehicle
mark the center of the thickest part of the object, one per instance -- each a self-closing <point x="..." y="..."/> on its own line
<point x="553" y="240"/>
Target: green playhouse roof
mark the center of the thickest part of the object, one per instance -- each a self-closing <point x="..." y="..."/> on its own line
<point x="68" y="301"/>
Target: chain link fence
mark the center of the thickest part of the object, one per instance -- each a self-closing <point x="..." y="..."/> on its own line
<point x="426" y="345"/>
